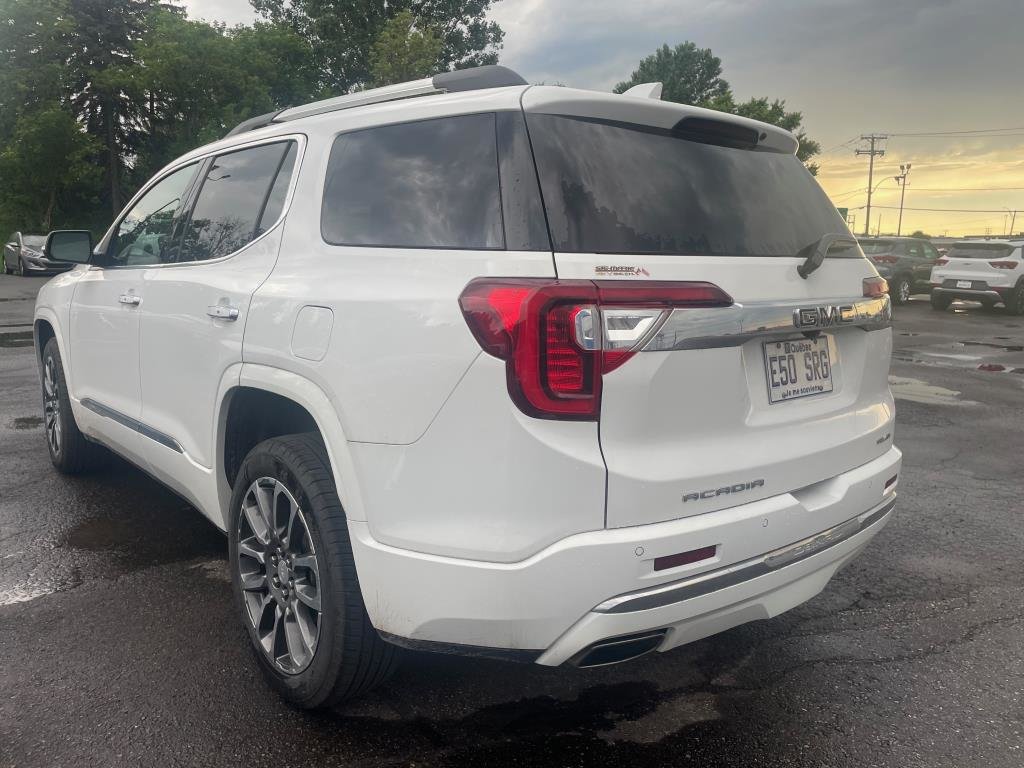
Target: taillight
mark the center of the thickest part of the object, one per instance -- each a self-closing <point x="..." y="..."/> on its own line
<point x="941" y="262"/>
<point x="558" y="337"/>
<point x="884" y="259"/>
<point x="875" y="287"/>
<point x="1004" y="264"/>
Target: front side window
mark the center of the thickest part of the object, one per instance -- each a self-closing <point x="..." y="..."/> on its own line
<point x="241" y="196"/>
<point x="144" y="235"/>
<point x="428" y="184"/>
<point x="614" y="187"/>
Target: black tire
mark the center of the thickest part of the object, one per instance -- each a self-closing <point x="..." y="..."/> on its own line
<point x="940" y="302"/>
<point x="901" y="289"/>
<point x="349" y="657"/>
<point x="1015" y="301"/>
<point x="70" y="452"/>
<point x="21" y="267"/>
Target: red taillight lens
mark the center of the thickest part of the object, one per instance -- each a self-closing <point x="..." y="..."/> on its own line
<point x="558" y="337"/>
<point x="884" y="259"/>
<point x="941" y="262"/>
<point x="1004" y="264"/>
<point x="875" y="287"/>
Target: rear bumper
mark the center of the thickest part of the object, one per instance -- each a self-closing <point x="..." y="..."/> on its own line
<point x="770" y="555"/>
<point x="992" y="294"/>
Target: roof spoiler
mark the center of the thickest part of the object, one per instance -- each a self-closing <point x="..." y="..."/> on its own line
<point x="476" y="78"/>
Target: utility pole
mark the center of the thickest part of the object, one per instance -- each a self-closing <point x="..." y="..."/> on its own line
<point x="1013" y="219"/>
<point x="902" y="181"/>
<point x="871" y="152"/>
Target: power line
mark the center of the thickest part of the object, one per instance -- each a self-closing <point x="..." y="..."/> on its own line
<point x="967" y="189"/>
<point x="961" y="133"/>
<point x="948" y="210"/>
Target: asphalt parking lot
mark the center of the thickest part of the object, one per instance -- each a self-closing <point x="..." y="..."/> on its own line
<point x="119" y="644"/>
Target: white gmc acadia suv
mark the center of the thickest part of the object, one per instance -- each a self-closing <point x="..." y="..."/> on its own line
<point x="480" y="367"/>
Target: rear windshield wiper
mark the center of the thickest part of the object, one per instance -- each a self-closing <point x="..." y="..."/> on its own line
<point x="819" y="249"/>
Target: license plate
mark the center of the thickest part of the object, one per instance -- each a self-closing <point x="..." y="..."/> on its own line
<point x="963" y="283"/>
<point x="797" y="368"/>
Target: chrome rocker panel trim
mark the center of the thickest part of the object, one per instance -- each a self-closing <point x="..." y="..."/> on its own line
<point x="712" y="581"/>
<point x="127" y="421"/>
<point x="712" y="328"/>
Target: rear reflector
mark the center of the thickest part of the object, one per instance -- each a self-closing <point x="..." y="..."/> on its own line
<point x="559" y="337"/>
<point x="875" y="287"/>
<point x="890" y="484"/>
<point x="684" y="558"/>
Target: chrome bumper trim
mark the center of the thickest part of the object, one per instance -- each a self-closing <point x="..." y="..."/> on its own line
<point x="712" y="581"/>
<point x="969" y="292"/>
<point x="712" y="328"/>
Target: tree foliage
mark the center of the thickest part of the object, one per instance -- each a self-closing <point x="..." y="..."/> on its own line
<point x="406" y="49"/>
<point x="343" y="33"/>
<point x="692" y="75"/>
<point x="47" y="169"/>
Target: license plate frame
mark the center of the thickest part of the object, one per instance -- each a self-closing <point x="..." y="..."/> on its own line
<point x="787" y="359"/>
<point x="964" y="284"/>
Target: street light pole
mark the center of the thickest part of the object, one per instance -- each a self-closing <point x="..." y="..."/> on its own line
<point x="902" y="181"/>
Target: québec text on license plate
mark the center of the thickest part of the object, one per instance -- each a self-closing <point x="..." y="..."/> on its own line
<point x="797" y="368"/>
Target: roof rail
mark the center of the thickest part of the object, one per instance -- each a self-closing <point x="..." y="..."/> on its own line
<point x="490" y="76"/>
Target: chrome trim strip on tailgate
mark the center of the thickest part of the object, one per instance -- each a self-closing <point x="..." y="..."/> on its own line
<point x="712" y="328"/>
<point x="721" y="578"/>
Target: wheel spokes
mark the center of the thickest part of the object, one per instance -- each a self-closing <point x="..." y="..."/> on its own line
<point x="279" y="575"/>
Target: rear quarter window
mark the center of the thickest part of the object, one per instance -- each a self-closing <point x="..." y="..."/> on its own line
<point x="427" y="184"/>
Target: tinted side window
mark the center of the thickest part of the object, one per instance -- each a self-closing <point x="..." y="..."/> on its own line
<point x="429" y="184"/>
<point x="144" y="234"/>
<point x="929" y="251"/>
<point x="914" y="249"/>
<point x="232" y="202"/>
<point x="278" y="192"/>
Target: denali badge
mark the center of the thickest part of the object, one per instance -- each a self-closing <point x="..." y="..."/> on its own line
<point x="713" y="492"/>
<point x="602" y="269"/>
<point x="823" y="317"/>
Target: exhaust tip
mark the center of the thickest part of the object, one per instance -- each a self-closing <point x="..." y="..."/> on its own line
<point x="616" y="650"/>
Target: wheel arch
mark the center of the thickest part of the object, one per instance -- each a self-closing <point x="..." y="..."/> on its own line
<point x="269" y="402"/>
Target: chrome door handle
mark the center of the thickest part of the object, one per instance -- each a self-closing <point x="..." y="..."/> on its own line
<point x="130" y="299"/>
<point x="222" y="312"/>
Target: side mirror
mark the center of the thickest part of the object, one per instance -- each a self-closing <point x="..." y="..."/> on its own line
<point x="71" y="245"/>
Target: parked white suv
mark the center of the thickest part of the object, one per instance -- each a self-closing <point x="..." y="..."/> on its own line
<point x="473" y="366"/>
<point x="989" y="271"/>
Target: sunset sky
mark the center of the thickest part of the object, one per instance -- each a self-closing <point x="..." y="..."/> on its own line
<point x="850" y="66"/>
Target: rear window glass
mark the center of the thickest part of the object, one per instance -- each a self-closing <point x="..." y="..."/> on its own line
<point x="429" y="184"/>
<point x="876" y="246"/>
<point x="980" y="251"/>
<point x="618" y="188"/>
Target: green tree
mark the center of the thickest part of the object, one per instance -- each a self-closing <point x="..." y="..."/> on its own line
<point x="689" y="75"/>
<point x="692" y="75"/>
<point x="405" y="50"/>
<point x="342" y="33"/>
<point x="104" y="81"/>
<point x="919" y="233"/>
<point x="47" y="168"/>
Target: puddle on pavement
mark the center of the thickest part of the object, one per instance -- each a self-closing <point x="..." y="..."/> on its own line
<point x="918" y="391"/>
<point x="132" y="541"/>
<point x="27" y="422"/>
<point x="16" y="339"/>
<point x="1004" y="347"/>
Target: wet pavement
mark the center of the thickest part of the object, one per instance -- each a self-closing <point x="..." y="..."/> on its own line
<point x="119" y="644"/>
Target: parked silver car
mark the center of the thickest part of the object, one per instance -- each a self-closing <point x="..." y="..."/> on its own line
<point x="24" y="255"/>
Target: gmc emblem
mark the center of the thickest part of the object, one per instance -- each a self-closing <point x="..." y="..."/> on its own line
<point x="823" y="317"/>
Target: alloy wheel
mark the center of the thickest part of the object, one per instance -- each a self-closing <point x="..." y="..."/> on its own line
<point x="904" y="291"/>
<point x="279" y="575"/>
<point x="51" y="406"/>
